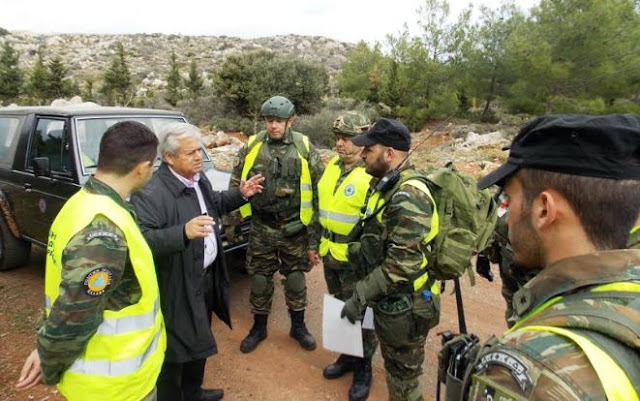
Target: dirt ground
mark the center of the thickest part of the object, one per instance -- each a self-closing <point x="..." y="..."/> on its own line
<point x="278" y="370"/>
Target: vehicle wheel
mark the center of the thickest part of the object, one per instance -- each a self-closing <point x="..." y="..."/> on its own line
<point x="14" y="252"/>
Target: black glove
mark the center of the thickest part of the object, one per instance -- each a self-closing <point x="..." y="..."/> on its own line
<point x="353" y="310"/>
<point x="483" y="267"/>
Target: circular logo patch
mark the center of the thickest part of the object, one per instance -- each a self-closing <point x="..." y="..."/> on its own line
<point x="97" y="281"/>
<point x="349" y="190"/>
<point x="42" y="205"/>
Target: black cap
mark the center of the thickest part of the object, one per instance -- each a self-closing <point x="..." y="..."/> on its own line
<point x="591" y="146"/>
<point x="386" y="132"/>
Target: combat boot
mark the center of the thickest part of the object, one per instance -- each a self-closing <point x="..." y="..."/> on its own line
<point x="362" y="377"/>
<point x="299" y="331"/>
<point x="257" y="333"/>
<point x="344" y="364"/>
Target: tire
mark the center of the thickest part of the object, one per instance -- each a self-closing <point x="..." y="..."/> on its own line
<point x="14" y="252"/>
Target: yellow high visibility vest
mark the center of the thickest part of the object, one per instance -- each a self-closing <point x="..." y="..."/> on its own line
<point x="339" y="208"/>
<point x="616" y="383"/>
<point x="122" y="360"/>
<point x="306" y="187"/>
<point x="375" y="202"/>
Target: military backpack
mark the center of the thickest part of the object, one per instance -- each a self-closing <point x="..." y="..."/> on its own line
<point x="467" y="218"/>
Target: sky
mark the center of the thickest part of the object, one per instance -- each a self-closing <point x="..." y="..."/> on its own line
<point x="344" y="20"/>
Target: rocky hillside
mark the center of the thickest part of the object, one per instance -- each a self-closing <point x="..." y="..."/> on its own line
<point x="148" y="54"/>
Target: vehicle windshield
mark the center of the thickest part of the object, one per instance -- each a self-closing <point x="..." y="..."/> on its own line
<point x="89" y="132"/>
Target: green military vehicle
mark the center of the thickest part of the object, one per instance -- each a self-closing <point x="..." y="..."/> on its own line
<point x="47" y="153"/>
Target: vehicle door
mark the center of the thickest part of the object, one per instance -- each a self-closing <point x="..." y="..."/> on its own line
<point x="45" y="195"/>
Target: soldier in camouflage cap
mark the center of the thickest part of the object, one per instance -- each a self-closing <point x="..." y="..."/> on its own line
<point x="101" y="290"/>
<point x="393" y="250"/>
<point x="342" y="191"/>
<point x="573" y="187"/>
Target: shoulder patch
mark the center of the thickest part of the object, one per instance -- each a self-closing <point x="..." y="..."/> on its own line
<point x="103" y="234"/>
<point x="97" y="281"/>
<point x="518" y="369"/>
<point x="403" y="194"/>
<point x="349" y="190"/>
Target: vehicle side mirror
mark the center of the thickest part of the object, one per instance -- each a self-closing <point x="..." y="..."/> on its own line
<point x="41" y="167"/>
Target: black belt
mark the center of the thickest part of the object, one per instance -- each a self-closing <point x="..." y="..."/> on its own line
<point x="337" y="238"/>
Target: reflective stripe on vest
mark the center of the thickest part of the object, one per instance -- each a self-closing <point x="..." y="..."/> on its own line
<point x="614" y="380"/>
<point x="306" y="187"/>
<point x="339" y="208"/>
<point x="375" y="202"/>
<point x="122" y="325"/>
<point x="106" y="367"/>
<point x="123" y="358"/>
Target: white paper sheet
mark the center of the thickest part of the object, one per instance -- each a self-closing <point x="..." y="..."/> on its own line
<point x="367" y="321"/>
<point x="339" y="334"/>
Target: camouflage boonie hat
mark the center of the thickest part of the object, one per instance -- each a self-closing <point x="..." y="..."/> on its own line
<point x="350" y="123"/>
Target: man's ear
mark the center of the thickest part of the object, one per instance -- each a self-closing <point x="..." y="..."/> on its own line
<point x="544" y="209"/>
<point x="141" y="168"/>
<point x="168" y="158"/>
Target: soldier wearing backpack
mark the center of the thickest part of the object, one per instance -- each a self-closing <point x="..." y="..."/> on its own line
<point x="281" y="236"/>
<point x="394" y="248"/>
<point x="573" y="187"/>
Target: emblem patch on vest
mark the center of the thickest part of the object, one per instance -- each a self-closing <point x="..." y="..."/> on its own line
<point x="349" y="190"/>
<point x="97" y="281"/>
<point x="518" y="369"/>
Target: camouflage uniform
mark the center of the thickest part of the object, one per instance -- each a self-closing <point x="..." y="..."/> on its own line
<point x="76" y="315"/>
<point x="392" y="253"/>
<point x="539" y="365"/>
<point x="278" y="240"/>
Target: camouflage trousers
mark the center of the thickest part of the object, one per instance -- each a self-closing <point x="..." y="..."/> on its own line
<point x="271" y="251"/>
<point x="402" y="322"/>
<point x="341" y="280"/>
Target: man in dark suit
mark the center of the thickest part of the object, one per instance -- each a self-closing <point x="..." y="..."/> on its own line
<point x="179" y="214"/>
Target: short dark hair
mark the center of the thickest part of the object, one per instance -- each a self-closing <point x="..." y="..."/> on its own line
<point x="124" y="145"/>
<point x="607" y="208"/>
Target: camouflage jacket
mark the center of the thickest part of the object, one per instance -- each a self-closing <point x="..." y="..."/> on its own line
<point x="278" y="162"/>
<point x="77" y="312"/>
<point x="391" y="251"/>
<point x="539" y="365"/>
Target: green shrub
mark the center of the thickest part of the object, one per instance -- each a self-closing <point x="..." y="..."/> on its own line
<point x="573" y="105"/>
<point x="317" y="127"/>
<point x="627" y="107"/>
<point x="234" y="124"/>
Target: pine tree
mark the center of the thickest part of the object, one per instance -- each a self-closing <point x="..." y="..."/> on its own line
<point x="117" y="79"/>
<point x="38" y="80"/>
<point x="11" y="77"/>
<point x="174" y="82"/>
<point x="87" y="92"/>
<point x="195" y="82"/>
<point x="57" y="86"/>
